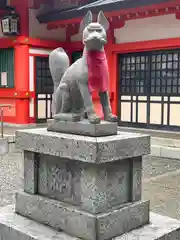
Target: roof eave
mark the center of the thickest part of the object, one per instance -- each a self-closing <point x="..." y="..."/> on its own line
<point x="79" y="12"/>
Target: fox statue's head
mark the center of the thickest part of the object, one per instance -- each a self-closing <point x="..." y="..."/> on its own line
<point x="94" y="33"/>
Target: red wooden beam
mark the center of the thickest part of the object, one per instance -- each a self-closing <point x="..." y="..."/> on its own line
<point x="150" y="45"/>
<point x="6" y="43"/>
<point x="71" y="30"/>
<point x="35" y="42"/>
<point x="39" y="43"/>
<point x="49" y="44"/>
<point x="117" y="22"/>
<point x="12" y="93"/>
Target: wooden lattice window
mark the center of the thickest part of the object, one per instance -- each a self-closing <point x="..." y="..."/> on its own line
<point x="7" y="68"/>
<point x="150" y="73"/>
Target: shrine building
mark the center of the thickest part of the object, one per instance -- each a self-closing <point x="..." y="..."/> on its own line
<point x="143" y="54"/>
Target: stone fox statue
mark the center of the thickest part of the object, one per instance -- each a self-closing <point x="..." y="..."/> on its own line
<point x="74" y="84"/>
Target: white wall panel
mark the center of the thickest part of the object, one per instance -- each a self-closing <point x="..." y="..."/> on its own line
<point x="153" y="28"/>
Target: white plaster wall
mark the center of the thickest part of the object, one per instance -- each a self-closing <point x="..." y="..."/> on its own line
<point x="76" y="37"/>
<point x="37" y="30"/>
<point x="161" y="27"/>
<point x="40" y="51"/>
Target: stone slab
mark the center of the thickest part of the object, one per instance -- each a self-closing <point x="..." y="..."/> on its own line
<point x="16" y="227"/>
<point x="84" y="128"/>
<point x="79" y="223"/>
<point x="4" y="146"/>
<point x="87" y="149"/>
<point x="160" y="228"/>
<point x="165" y="152"/>
<point x="166" y="142"/>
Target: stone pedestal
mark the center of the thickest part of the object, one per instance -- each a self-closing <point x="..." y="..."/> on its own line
<point x="88" y="187"/>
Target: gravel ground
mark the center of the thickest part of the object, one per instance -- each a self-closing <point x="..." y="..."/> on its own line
<point x="11" y="175"/>
<point x="161" y="181"/>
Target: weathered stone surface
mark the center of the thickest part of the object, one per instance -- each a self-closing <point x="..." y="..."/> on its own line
<point x="87" y="149"/>
<point x="93" y="188"/>
<point x="84" y="128"/>
<point x="4" y="146"/>
<point x="79" y="223"/>
<point x="30" y="172"/>
<point x="16" y="227"/>
<point x="136" y="175"/>
<point x="160" y="228"/>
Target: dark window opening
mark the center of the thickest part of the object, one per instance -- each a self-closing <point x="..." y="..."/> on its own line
<point x="153" y="73"/>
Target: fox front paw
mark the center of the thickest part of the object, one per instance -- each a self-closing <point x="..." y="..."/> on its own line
<point x="94" y="119"/>
<point x="111" y="118"/>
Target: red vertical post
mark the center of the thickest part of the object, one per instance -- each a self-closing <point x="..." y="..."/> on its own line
<point x="21" y="74"/>
<point x="21" y="64"/>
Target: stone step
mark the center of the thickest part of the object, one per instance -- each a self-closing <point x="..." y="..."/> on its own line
<point x="165" y="148"/>
<point x="165" y="152"/>
<point x="160" y="228"/>
<point x="16" y="227"/>
<point x="153" y="133"/>
<point x="168" y="142"/>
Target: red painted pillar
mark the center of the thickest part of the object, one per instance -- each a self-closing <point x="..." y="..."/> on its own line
<point x="21" y="74"/>
<point x="21" y="64"/>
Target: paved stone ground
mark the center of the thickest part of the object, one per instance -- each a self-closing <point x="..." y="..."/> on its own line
<point x="161" y="182"/>
<point x="11" y="175"/>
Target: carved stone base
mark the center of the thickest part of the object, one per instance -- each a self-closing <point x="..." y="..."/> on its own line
<point x="80" y="223"/>
<point x="89" y="187"/>
<point x="84" y="128"/>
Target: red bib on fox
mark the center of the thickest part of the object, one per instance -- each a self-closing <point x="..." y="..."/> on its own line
<point x="98" y="75"/>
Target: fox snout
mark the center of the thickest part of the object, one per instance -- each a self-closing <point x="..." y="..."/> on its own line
<point x="95" y="38"/>
<point x="94" y="43"/>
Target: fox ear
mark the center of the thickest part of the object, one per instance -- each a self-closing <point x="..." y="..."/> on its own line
<point x="86" y="21"/>
<point x="103" y="20"/>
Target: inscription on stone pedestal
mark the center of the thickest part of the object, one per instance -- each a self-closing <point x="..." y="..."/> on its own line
<point x="58" y="180"/>
<point x="92" y="188"/>
<point x="61" y="181"/>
